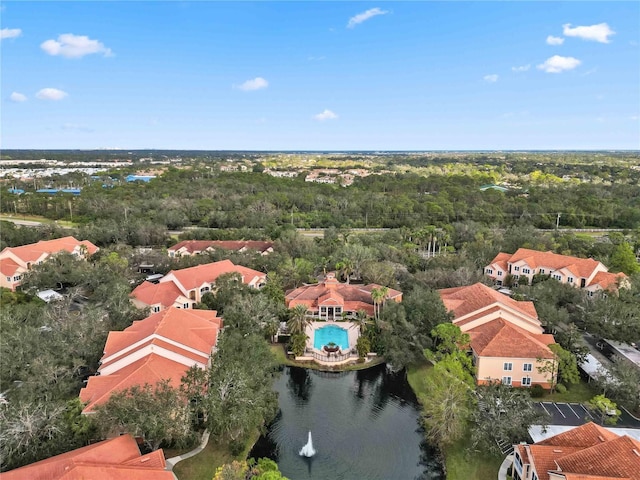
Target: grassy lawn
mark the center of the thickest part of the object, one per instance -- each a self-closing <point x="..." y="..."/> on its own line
<point x="203" y="466"/>
<point x="461" y="464"/>
<point x="578" y="393"/>
<point x="38" y="218"/>
<point x="465" y="465"/>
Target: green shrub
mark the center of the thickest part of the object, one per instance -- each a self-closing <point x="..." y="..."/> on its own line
<point x="560" y="388"/>
<point x="536" y="391"/>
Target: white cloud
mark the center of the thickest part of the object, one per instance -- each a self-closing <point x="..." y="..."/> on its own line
<point x="253" y="84"/>
<point x="364" y="16"/>
<point x="493" y="78"/>
<point x="597" y="33"/>
<point x="74" y="46"/>
<point x="325" y="115"/>
<point x="17" y="97"/>
<point x="521" y="68"/>
<point x="634" y="118"/>
<point x="558" y="64"/>
<point x="551" y="40"/>
<point x="51" y="94"/>
<point x="10" y="33"/>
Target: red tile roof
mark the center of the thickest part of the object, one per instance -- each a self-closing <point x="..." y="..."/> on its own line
<point x="580" y="267"/>
<point x="500" y="338"/>
<point x="587" y="452"/>
<point x="33" y="251"/>
<point x="197" y="246"/>
<point x="465" y="300"/>
<point x="165" y="293"/>
<point x="616" y="458"/>
<point x="150" y="369"/>
<point x="194" y="277"/>
<point x="171" y="341"/>
<point x="501" y="260"/>
<point x="115" y="459"/>
<point x="607" y="281"/>
<point x="197" y="329"/>
<point x="8" y="267"/>
<point x="585" y="436"/>
<point x="331" y="292"/>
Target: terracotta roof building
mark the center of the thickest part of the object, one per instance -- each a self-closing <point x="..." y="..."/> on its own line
<point x="329" y="299"/>
<point x="184" y="288"/>
<point x="587" y="452"/>
<point x="584" y="273"/>
<point x="15" y="261"/>
<point x="187" y="248"/>
<point x="163" y="346"/>
<point x="115" y="459"/>
<point x="507" y="339"/>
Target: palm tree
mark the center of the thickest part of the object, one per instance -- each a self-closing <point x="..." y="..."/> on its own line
<point x="345" y="268"/>
<point x="362" y="321"/>
<point x="377" y="295"/>
<point x="298" y="320"/>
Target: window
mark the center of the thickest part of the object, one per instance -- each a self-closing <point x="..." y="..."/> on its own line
<point x="508" y="366"/>
<point x="527" y="367"/>
<point x="526" y="270"/>
<point x="17" y="277"/>
<point x="534" y="476"/>
<point x="506" y="380"/>
<point x="499" y="274"/>
<point x="542" y="270"/>
<point x="489" y="271"/>
<point x="8" y="279"/>
<point x="185" y="305"/>
<point x="557" y="277"/>
<point x="156" y="309"/>
<point x="590" y="293"/>
<point x="526" y="381"/>
<point x="517" y="269"/>
<point x="570" y="279"/>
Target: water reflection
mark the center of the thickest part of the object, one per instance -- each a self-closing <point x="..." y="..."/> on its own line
<point x="365" y="425"/>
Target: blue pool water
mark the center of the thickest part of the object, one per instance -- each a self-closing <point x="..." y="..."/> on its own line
<point x="331" y="333"/>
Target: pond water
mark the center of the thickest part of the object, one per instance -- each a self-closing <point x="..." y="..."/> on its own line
<point x="364" y="424"/>
<point x="331" y="333"/>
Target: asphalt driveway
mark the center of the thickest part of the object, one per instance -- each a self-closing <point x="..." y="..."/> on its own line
<point x="574" y="414"/>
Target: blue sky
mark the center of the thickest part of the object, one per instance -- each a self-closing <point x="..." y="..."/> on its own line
<point x="320" y="75"/>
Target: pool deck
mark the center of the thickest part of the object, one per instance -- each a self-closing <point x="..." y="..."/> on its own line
<point x="351" y="327"/>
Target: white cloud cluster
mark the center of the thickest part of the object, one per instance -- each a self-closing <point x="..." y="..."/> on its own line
<point x="364" y="16"/>
<point x="521" y="68"/>
<point x="17" y="97"/>
<point x="325" y="115"/>
<point x="10" y="33"/>
<point x="558" y="64"/>
<point x="493" y="78"/>
<point x="74" y="46"/>
<point x="51" y="94"/>
<point x="257" y="83"/>
<point x="596" y="33"/>
<point x="551" y="40"/>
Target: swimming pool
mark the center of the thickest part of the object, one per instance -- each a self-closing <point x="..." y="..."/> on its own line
<point x="331" y="333"/>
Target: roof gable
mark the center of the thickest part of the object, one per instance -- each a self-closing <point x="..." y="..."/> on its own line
<point x="500" y="338"/>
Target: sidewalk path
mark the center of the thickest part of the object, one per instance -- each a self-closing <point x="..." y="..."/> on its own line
<point x="504" y="468"/>
<point x="171" y="462"/>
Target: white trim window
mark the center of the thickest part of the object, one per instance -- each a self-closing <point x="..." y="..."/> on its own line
<point x="489" y="271"/>
<point x="508" y="366"/>
<point x="526" y="381"/>
<point x="527" y="367"/>
<point x="570" y="279"/>
<point x="517" y="269"/>
<point x="499" y="273"/>
<point x="526" y="270"/>
<point x="506" y="380"/>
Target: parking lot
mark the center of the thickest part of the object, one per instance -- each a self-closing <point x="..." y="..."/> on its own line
<point x="577" y="414"/>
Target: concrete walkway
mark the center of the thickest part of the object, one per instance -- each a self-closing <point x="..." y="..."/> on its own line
<point x="504" y="468"/>
<point x="171" y="462"/>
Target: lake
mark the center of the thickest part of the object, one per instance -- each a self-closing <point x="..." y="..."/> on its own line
<point x="364" y="424"/>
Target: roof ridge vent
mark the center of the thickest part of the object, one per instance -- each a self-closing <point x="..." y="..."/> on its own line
<point x="601" y="438"/>
<point x="556" y="450"/>
<point x="636" y="452"/>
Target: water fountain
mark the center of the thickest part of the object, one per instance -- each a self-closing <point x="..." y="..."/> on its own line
<point x="307" y="450"/>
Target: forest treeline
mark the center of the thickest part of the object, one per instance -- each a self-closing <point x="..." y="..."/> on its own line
<point x="200" y="195"/>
